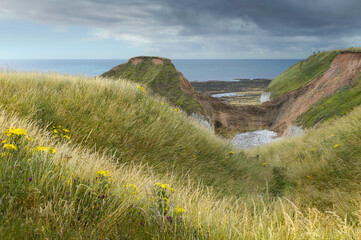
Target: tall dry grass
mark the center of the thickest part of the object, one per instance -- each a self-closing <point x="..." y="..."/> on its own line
<point x="62" y="199"/>
<point x="301" y="188"/>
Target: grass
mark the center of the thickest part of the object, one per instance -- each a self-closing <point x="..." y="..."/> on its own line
<point x="135" y="127"/>
<point x="68" y="199"/>
<point x="321" y="168"/>
<point x="300" y="188"/>
<point x="304" y="72"/>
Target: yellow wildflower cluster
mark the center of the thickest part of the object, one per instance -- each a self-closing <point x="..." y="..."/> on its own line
<point x="15" y="132"/>
<point x="336" y="146"/>
<point x="141" y="89"/>
<point x="177" y="110"/>
<point x="5" y="154"/>
<point x="45" y="149"/>
<point x="179" y="210"/>
<point x="231" y="152"/>
<point x="104" y="173"/>
<point x="10" y="147"/>
<point x="61" y="132"/>
<point x="164" y="186"/>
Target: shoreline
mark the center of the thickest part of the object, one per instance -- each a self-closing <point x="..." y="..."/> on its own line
<point x="241" y="91"/>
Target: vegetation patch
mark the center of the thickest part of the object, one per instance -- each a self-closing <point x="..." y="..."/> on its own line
<point x="341" y="103"/>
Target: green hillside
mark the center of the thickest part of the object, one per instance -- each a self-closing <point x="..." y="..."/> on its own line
<point x="131" y="124"/>
<point x="161" y="78"/>
<point x="97" y="155"/>
<point x="303" y="72"/>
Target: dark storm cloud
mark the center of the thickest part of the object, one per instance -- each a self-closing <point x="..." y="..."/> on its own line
<point x="277" y="17"/>
<point x="223" y="26"/>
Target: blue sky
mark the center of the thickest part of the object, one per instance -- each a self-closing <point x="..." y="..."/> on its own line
<point x="188" y="29"/>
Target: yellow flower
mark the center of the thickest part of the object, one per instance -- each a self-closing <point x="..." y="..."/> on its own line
<point x="332" y="135"/>
<point x="52" y="150"/>
<point x="194" y="156"/>
<point x="313" y="149"/>
<point x="45" y="149"/>
<point x="10" y="146"/>
<point x="231" y="152"/>
<point x="179" y="210"/>
<point x="29" y="139"/>
<point x="164" y="186"/>
<point x="56" y="131"/>
<point x="65" y="130"/>
<point x="15" y="131"/>
<point x="66" y="136"/>
<point x="264" y="164"/>
<point x="336" y="146"/>
<point x="141" y="89"/>
<point x="4" y="141"/>
<point x="104" y="173"/>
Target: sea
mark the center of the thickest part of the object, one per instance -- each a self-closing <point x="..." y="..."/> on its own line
<point x="193" y="69"/>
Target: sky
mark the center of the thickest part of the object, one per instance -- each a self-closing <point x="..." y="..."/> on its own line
<point x="177" y="29"/>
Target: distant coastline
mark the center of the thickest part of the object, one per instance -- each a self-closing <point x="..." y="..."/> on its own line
<point x="193" y="70"/>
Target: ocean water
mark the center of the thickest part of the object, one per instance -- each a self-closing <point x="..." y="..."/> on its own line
<point x="193" y="70"/>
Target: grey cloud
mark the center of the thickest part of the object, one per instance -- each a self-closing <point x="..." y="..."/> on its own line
<point x="208" y="27"/>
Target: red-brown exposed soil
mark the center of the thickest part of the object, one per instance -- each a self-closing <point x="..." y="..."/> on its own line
<point x="135" y="60"/>
<point x="157" y="61"/>
<point x="288" y="107"/>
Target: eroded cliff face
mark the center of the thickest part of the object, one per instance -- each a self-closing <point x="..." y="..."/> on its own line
<point x="285" y="109"/>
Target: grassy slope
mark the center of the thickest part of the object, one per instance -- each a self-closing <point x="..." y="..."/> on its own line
<point x="322" y="168"/>
<point x="136" y="127"/>
<point x="162" y="79"/>
<point x="62" y="201"/>
<point x="301" y="73"/>
<point x="340" y="103"/>
<point x="304" y="72"/>
<point x="309" y="171"/>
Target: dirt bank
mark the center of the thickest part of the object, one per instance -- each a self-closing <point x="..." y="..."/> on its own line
<point x="280" y="113"/>
<point x="288" y="107"/>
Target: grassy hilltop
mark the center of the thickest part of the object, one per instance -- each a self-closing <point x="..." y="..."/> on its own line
<point x="122" y="164"/>
<point x="162" y="78"/>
